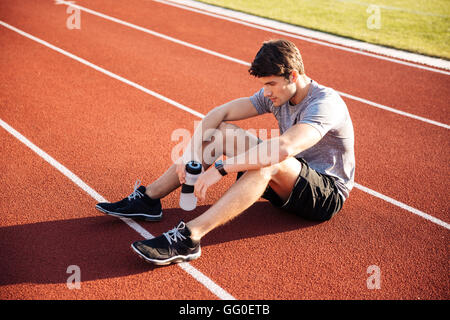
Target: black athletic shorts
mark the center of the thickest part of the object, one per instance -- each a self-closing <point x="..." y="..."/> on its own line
<point x="314" y="196"/>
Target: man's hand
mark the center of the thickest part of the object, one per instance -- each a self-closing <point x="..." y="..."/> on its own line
<point x="206" y="179"/>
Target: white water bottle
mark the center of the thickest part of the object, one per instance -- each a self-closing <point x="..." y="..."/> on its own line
<point x="188" y="201"/>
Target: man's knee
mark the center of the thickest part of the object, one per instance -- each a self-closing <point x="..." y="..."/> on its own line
<point x="219" y="134"/>
<point x="270" y="171"/>
<point x="236" y="140"/>
<point x="229" y="130"/>
<point x="224" y="125"/>
<point x="284" y="175"/>
<point x="267" y="173"/>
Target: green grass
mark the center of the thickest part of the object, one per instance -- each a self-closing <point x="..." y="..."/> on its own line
<point x="421" y="26"/>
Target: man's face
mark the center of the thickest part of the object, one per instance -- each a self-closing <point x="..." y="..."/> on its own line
<point x="278" y="89"/>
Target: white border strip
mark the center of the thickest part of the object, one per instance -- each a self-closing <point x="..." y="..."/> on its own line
<point x="318" y="37"/>
<point x="195" y="273"/>
<point x="180" y="106"/>
<point x="245" y="63"/>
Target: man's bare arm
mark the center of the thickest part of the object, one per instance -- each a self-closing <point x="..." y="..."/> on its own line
<point x="238" y="109"/>
<point x="272" y="151"/>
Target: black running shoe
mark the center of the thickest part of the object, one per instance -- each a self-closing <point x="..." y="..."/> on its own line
<point x="137" y="206"/>
<point x="172" y="246"/>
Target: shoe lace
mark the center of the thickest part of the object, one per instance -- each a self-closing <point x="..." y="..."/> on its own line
<point x="136" y="192"/>
<point x="174" y="234"/>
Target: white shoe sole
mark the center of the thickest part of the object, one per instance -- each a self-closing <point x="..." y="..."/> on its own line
<point x="145" y="216"/>
<point x="175" y="259"/>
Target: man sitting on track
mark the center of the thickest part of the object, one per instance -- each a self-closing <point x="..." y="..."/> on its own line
<point x="307" y="170"/>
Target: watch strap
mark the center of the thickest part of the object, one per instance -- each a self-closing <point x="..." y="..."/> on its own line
<point x="219" y="167"/>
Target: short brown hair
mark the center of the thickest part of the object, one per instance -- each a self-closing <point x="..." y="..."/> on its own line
<point x="277" y="58"/>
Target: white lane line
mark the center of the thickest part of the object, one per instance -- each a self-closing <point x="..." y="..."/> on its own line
<point x="403" y="206"/>
<point x="153" y="33"/>
<point x="100" y="69"/>
<point x="313" y="36"/>
<point x="245" y="63"/>
<point x="399" y="112"/>
<point x="170" y="101"/>
<point x="195" y="273"/>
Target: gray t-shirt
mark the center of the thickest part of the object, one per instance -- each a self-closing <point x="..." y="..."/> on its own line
<point x="325" y="110"/>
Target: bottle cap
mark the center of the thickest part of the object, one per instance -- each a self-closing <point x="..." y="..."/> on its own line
<point x="193" y="167"/>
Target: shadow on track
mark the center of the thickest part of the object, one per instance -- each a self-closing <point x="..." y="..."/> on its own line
<point x="100" y="246"/>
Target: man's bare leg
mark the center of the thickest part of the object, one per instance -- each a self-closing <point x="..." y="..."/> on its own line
<point x="243" y="193"/>
<point x="169" y="182"/>
<point x="164" y="185"/>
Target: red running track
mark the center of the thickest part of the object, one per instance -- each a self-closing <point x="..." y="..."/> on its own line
<point x="109" y="134"/>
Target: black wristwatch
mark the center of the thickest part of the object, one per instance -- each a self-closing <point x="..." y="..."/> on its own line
<point x="219" y="167"/>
